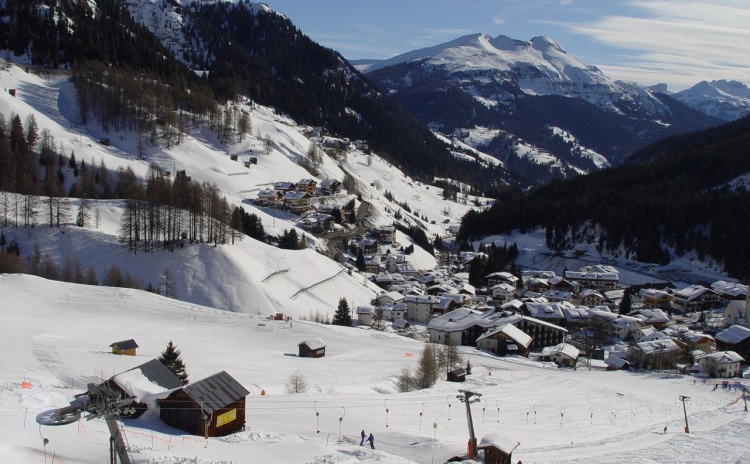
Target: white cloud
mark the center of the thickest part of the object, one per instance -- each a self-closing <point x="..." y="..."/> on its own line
<point x="680" y="41"/>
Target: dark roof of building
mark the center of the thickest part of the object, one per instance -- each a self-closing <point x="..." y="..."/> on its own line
<point x="216" y="391"/>
<point x="125" y="344"/>
<point x="158" y="373"/>
<point x="459" y="371"/>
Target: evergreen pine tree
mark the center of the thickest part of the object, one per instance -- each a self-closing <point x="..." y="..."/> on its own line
<point x="343" y="314"/>
<point x="170" y="358"/>
<point x="625" y="303"/>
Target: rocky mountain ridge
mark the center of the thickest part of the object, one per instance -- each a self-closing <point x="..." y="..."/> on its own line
<point x="526" y="90"/>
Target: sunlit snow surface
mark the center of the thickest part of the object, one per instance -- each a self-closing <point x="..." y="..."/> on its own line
<point x="55" y="336"/>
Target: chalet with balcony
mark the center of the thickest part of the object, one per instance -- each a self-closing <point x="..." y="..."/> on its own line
<point x="595" y="277"/>
<point x="297" y="202"/>
<point x="330" y="186"/>
<point x="658" y="354"/>
<point x="591" y="297"/>
<point x="695" y="298"/>
<point x="269" y="197"/>
<point x="306" y="185"/>
<point x="655" y="298"/>
<point x="721" y="364"/>
<point x="501" y="278"/>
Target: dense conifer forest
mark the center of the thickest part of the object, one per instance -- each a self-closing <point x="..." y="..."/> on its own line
<point x="233" y="52"/>
<point x="683" y="200"/>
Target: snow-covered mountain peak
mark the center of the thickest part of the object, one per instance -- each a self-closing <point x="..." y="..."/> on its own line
<point x="728" y="100"/>
<point x="543" y="43"/>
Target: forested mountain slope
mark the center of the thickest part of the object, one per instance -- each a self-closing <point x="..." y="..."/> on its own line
<point x="693" y="198"/>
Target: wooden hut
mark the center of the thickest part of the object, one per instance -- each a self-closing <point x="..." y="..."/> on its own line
<point x="457" y="375"/>
<point x="140" y="382"/>
<point x="313" y="348"/>
<point x="212" y="407"/>
<point x="126" y="347"/>
<point x="497" y="448"/>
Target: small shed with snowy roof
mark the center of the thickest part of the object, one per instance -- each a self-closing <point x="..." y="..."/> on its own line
<point x="497" y="448"/>
<point x="313" y="348"/>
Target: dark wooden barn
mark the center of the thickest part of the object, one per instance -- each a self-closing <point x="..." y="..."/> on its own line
<point x="457" y="375"/>
<point x="212" y="407"/>
<point x="313" y="348"/>
<point x="126" y="347"/>
<point x="130" y="383"/>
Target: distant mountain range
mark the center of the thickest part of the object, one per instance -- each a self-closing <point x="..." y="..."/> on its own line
<point x="726" y="100"/>
<point x="549" y="115"/>
<point x="538" y="111"/>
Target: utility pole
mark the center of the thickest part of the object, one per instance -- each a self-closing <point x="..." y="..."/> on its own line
<point x="684" y="399"/>
<point x="467" y="397"/>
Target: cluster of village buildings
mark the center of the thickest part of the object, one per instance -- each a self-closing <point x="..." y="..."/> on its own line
<point x="699" y="329"/>
<point x="297" y="197"/>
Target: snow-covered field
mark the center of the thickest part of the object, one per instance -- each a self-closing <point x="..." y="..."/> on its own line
<point x="56" y="336"/>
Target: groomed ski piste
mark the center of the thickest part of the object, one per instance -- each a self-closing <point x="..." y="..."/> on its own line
<point x="55" y="339"/>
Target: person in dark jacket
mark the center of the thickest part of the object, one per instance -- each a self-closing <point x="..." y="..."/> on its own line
<point x="371" y="439"/>
<point x="363" y="435"/>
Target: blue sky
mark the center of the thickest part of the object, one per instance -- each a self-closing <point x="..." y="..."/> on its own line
<point x="678" y="42"/>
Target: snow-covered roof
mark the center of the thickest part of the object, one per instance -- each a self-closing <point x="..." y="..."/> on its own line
<point x="400" y="324"/>
<point x="615" y="361"/>
<point x="652" y="316"/>
<point x="592" y="293"/>
<point x="502" y="275"/>
<point x="653" y="293"/>
<point x="313" y="343"/>
<point x="457" y="320"/>
<point x="695" y="337"/>
<point x="513" y="332"/>
<point x="564" y="348"/>
<point x="503" y="286"/>
<point x="597" y="276"/>
<point x="691" y="292"/>
<point x="295" y="195"/>
<point x="729" y="288"/>
<point x="733" y="335"/>
<point x="600" y="268"/>
<point x="547" y="310"/>
<point x="393" y="296"/>
<point x="658" y="346"/>
<point x="501" y="442"/>
<point x="724" y="357"/>
<point x="147" y="379"/>
<point x="365" y="310"/>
